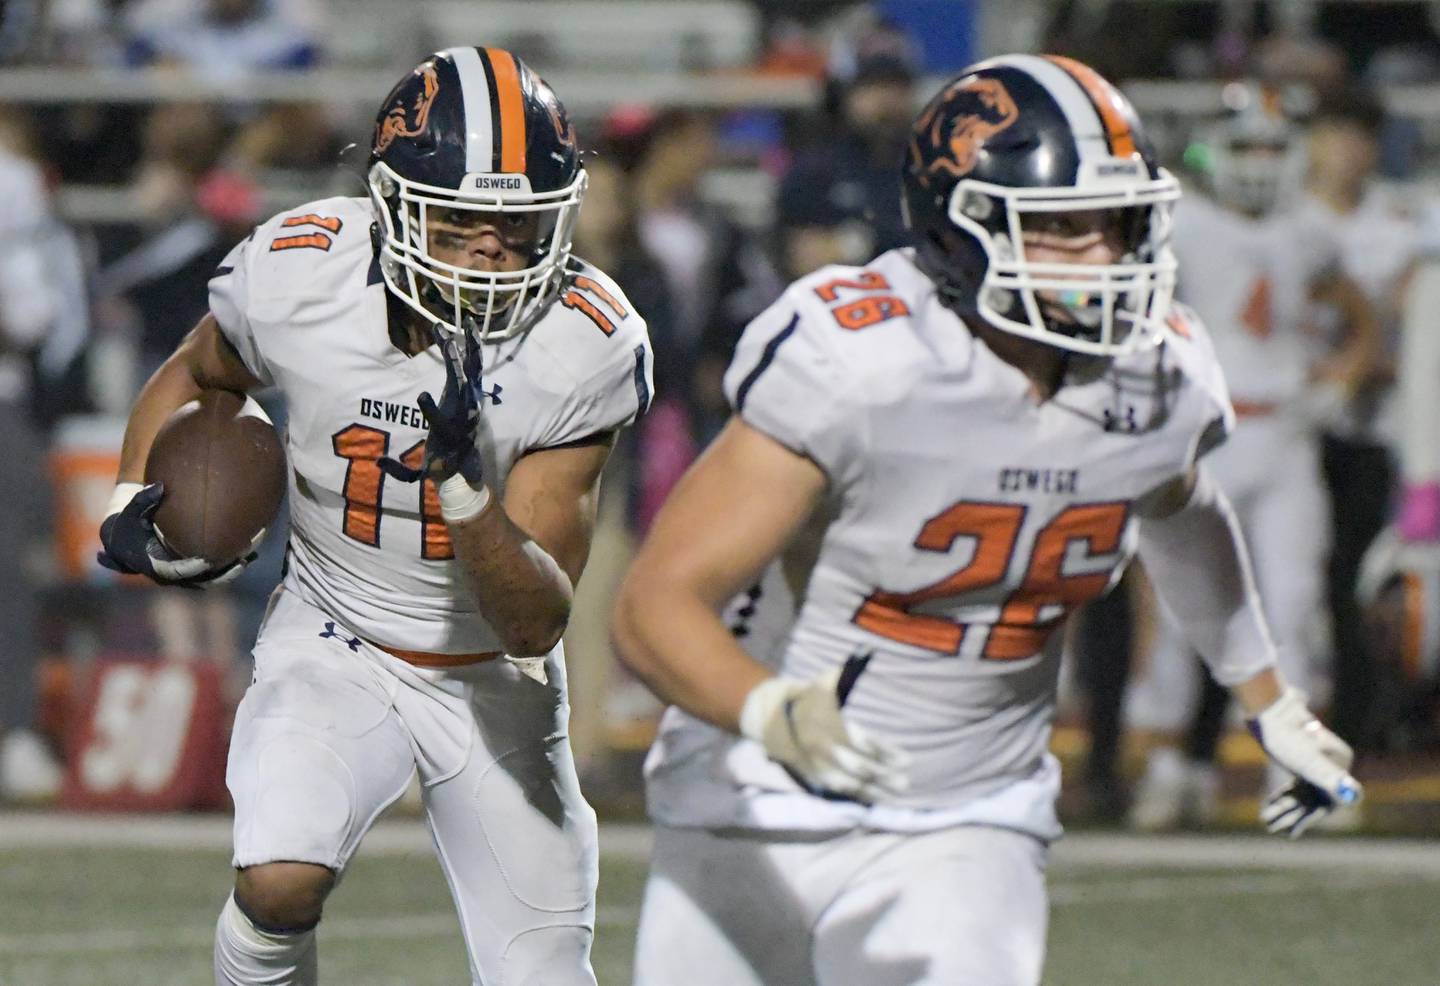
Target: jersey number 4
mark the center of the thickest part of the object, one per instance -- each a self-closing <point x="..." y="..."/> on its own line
<point x="1033" y="611"/>
<point x="365" y="485"/>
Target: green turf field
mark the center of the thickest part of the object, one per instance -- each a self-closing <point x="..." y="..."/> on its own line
<point x="93" y="902"/>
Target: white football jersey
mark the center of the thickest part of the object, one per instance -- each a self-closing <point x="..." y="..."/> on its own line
<point x="1249" y="280"/>
<point x="968" y="521"/>
<point x="303" y="303"/>
<point x="1375" y="242"/>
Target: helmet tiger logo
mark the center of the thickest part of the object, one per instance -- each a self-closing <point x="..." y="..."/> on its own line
<point x="968" y="132"/>
<point x="564" y="129"/>
<point x="396" y="123"/>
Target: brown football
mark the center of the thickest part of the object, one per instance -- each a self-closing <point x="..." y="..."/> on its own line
<point x="224" y="476"/>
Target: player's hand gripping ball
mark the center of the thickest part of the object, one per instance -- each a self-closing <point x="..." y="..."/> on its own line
<point x="214" y="480"/>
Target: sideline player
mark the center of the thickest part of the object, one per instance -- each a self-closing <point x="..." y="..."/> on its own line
<point x="1252" y="276"/>
<point x="379" y="655"/>
<point x="988" y="426"/>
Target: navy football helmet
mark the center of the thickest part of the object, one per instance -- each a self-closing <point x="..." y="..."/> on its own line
<point x="1252" y="155"/>
<point x="1005" y="147"/>
<point x="474" y="129"/>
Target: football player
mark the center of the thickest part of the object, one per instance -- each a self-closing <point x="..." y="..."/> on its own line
<point x="1374" y="228"/>
<point x="985" y="427"/>
<point x="1251" y="276"/>
<point x="439" y="331"/>
<point x="1418" y="519"/>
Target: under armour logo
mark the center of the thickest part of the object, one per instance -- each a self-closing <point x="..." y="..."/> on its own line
<point x="481" y="393"/>
<point x="352" y="642"/>
<point x="855" y="665"/>
<point x="1114" y="422"/>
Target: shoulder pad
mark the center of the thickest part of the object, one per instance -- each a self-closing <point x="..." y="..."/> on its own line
<point x="594" y="358"/>
<point x="590" y="327"/>
<point x="861" y="316"/>
<point x="1188" y="343"/>
<point x="311" y="250"/>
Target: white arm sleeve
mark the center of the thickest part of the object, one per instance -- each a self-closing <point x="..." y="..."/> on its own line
<point x="1197" y="562"/>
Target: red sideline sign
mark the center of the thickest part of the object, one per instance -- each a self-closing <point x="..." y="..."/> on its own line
<point x="147" y="736"/>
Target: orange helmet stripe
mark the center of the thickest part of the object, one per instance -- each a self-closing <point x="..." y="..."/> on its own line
<point x="1107" y="103"/>
<point x="512" y="110"/>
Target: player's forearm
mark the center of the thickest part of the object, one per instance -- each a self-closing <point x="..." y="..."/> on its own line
<point x="172" y="385"/>
<point x="202" y="361"/>
<point x="521" y="590"/>
<point x="680" y="649"/>
<point x="1197" y="562"/>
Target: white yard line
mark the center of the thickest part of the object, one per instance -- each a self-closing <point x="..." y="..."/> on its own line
<point x="1141" y="889"/>
<point x="398" y="836"/>
<point x="1412" y="857"/>
<point x="401" y="836"/>
<point x="109" y="940"/>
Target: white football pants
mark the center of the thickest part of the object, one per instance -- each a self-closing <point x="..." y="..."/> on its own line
<point x="327" y="736"/>
<point x="963" y="906"/>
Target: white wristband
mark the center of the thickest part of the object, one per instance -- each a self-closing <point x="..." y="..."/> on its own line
<point x="124" y="493"/>
<point x="459" y="501"/>
<point x="760" y="705"/>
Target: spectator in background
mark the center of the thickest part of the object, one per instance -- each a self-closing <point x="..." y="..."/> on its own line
<point x="222" y="38"/>
<point x="228" y="40"/>
<point x="821" y="221"/>
<point x="158" y="281"/>
<point x="607" y="235"/>
<point x="32" y="306"/>
<point x="1418" y="519"/>
<point x="719" y="276"/>
<point x="873" y="99"/>
<point x="1375" y="242"/>
<point x="58" y="363"/>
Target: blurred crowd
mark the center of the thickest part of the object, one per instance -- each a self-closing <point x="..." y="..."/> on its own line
<point x="1305" y="197"/>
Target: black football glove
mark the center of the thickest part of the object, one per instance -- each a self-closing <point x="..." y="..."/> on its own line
<point x="132" y="547"/>
<point x="450" y="446"/>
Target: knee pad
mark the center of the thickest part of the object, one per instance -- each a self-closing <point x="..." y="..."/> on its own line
<point x="558" y="955"/>
<point x="307" y="773"/>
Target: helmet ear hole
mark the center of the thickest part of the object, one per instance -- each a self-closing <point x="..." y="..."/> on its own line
<point x="977" y="206"/>
<point x="381" y="181"/>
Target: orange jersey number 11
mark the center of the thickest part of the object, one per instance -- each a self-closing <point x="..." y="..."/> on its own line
<point x="365" y="487"/>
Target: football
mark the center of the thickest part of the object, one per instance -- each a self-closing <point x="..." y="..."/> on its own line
<point x="223" y="468"/>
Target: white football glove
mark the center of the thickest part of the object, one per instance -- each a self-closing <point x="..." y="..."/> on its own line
<point x="800" y="725"/>
<point x="1320" y="761"/>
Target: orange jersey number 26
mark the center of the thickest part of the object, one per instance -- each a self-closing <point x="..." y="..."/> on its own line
<point x="1030" y="614"/>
